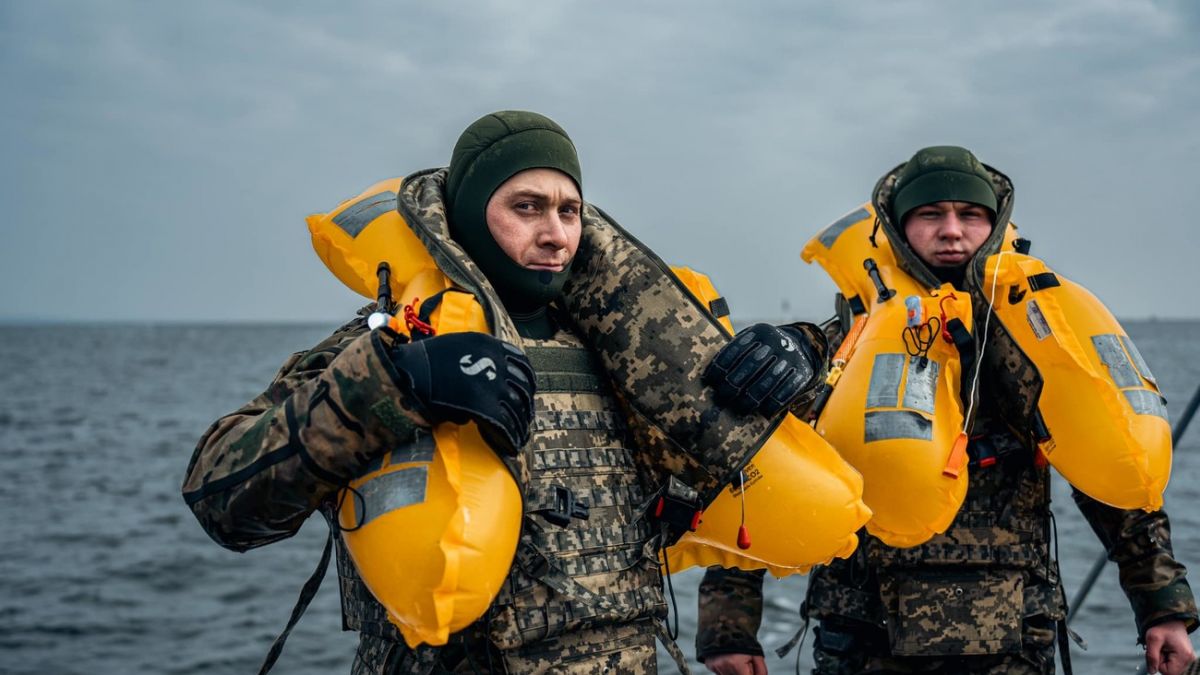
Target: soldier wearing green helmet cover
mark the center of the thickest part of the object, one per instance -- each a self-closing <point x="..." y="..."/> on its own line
<point x="985" y="596"/>
<point x="583" y="341"/>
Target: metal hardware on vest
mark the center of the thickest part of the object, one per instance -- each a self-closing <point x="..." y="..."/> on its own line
<point x="983" y="453"/>
<point x="566" y="507"/>
<point x="885" y="293"/>
<point x="678" y="507"/>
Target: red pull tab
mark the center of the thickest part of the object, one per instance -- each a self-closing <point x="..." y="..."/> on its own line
<point x="942" y="312"/>
<point x="696" y="520"/>
<point x="957" y="460"/>
<point x="743" y="541"/>
<point x="413" y="321"/>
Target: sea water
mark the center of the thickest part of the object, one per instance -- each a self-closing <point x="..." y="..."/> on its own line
<point x="103" y="569"/>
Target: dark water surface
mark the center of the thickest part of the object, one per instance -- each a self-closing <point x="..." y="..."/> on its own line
<point x="104" y="570"/>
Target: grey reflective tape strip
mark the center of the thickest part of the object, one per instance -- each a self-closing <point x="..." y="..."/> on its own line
<point x="360" y="214"/>
<point x="920" y="387"/>
<point x="391" y="491"/>
<point x="1120" y="368"/>
<point x="884" y="388"/>
<point x="1146" y="402"/>
<point x="1138" y="361"/>
<point x="888" y="424"/>
<point x="830" y="234"/>
<point x="419" y="450"/>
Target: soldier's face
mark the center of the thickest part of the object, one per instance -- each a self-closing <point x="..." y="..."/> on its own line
<point x="947" y="234"/>
<point x="534" y="217"/>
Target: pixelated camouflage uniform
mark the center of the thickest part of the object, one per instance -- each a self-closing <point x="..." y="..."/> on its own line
<point x="584" y="597"/>
<point x="985" y="596"/>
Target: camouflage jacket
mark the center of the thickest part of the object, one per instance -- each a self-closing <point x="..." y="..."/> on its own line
<point x="260" y="471"/>
<point x="998" y="547"/>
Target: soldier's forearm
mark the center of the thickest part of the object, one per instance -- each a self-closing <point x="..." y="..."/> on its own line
<point x="1140" y="544"/>
<point x="730" y="613"/>
<point x="259" y="472"/>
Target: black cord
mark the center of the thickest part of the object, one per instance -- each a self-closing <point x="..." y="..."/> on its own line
<point x="360" y="504"/>
<point x="920" y="338"/>
<point x="662" y="552"/>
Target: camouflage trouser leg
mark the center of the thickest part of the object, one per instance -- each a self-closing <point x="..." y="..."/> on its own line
<point x="380" y="656"/>
<point x="1032" y="661"/>
<point x="592" y="651"/>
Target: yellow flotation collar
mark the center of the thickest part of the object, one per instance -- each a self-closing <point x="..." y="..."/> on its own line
<point x="896" y="411"/>
<point x="1108" y="433"/>
<point x="437" y="565"/>
<point x="1107" y="422"/>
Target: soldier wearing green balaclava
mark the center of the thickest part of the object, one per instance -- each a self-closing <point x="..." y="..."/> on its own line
<point x="489" y="152"/>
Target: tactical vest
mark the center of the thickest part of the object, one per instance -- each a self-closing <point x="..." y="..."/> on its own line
<point x="982" y="587"/>
<point x="586" y="558"/>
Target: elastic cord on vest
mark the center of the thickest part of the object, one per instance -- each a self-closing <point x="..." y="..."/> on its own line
<point x="983" y="344"/>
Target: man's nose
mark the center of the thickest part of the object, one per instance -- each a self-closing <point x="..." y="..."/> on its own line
<point x="952" y="226"/>
<point x="553" y="231"/>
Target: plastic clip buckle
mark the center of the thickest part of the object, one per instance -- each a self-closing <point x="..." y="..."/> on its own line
<point x="566" y="507"/>
<point x="678" y="506"/>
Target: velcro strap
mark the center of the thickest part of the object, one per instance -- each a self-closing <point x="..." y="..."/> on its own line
<point x="1042" y="281"/>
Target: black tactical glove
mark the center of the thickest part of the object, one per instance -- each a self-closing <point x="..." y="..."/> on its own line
<point x="458" y="377"/>
<point x="763" y="368"/>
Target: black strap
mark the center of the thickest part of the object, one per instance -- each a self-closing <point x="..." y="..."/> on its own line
<point x="1064" y="646"/>
<point x="1042" y="281"/>
<point x="963" y="342"/>
<point x="718" y="307"/>
<point x="431" y="303"/>
<point x="306" y="595"/>
<point x="856" y="305"/>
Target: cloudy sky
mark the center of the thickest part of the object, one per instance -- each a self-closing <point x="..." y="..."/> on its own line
<point x="159" y="158"/>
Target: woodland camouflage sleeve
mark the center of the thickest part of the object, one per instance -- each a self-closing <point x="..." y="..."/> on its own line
<point x="1140" y="544"/>
<point x="259" y="472"/>
<point x="731" y="603"/>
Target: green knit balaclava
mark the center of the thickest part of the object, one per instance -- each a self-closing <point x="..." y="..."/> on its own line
<point x="942" y="173"/>
<point x="490" y="151"/>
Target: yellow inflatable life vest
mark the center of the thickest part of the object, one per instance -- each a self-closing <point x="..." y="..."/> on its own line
<point x="1107" y="423"/>
<point x="433" y="528"/>
<point x="435" y="557"/>
<point x="896" y="412"/>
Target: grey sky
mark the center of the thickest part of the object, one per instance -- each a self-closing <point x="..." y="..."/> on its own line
<point x="159" y="158"/>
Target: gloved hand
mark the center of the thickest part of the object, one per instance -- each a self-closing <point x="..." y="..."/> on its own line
<point x="763" y="368"/>
<point x="458" y="377"/>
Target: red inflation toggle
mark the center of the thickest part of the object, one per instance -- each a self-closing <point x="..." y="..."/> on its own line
<point x="743" y="541"/>
<point x="696" y="520"/>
